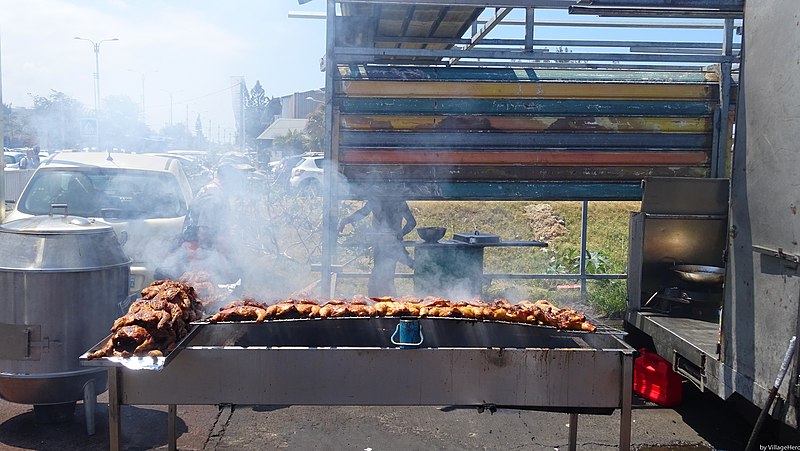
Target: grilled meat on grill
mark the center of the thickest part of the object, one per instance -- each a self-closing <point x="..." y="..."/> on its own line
<point x="541" y="312"/>
<point x="155" y="323"/>
<point x="240" y="313"/>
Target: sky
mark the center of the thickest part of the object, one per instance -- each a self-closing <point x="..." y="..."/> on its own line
<point x="186" y="50"/>
<point x="180" y="55"/>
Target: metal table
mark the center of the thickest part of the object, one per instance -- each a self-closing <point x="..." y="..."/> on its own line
<point x="453" y="268"/>
<point x="462" y="363"/>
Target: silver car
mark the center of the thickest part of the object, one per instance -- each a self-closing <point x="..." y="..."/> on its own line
<point x="143" y="197"/>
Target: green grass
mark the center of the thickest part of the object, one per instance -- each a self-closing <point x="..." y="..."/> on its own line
<point x="289" y="229"/>
<point x="607" y="234"/>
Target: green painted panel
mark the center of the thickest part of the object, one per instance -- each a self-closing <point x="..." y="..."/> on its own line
<point x="518" y="74"/>
<point x="550" y="191"/>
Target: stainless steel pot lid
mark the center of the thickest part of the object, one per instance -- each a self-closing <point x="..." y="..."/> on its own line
<point x="54" y="224"/>
<point x="59" y="244"/>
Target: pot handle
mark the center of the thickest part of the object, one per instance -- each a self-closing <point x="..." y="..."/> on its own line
<point x="54" y="207"/>
<point x="408" y="330"/>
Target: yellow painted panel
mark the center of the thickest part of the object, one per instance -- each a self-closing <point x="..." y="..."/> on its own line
<point x="526" y="124"/>
<point x="526" y="90"/>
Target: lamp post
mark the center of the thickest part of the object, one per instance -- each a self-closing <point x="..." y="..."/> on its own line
<point x="96" y="46"/>
<point x="142" y="74"/>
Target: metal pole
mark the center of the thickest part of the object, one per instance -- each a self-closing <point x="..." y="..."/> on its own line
<point x="627" y="400"/>
<point x="143" y="114"/>
<point x="114" y="418"/>
<point x="330" y="202"/>
<point x="787" y="358"/>
<point x="89" y="405"/>
<point x="573" y="432"/>
<point x="97" y="95"/>
<point x="172" y="424"/>
<point x="241" y="93"/>
<point x="584" y="221"/>
<point x="2" y="145"/>
<point x="96" y="48"/>
<point x="96" y="76"/>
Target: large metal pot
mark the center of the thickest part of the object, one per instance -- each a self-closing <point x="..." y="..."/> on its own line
<point x="62" y="279"/>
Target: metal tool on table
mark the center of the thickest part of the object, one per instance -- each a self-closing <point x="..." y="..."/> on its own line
<point x="772" y="393"/>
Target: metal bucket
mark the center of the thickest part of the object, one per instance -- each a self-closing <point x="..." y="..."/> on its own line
<point x="62" y="280"/>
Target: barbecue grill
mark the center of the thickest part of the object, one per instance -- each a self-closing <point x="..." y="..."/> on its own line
<point x="353" y="361"/>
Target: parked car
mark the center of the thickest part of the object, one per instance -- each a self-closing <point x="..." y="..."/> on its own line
<point x="307" y="175"/>
<point x="196" y="171"/>
<point x="143" y="197"/>
<point x="11" y="159"/>
<point x="282" y="170"/>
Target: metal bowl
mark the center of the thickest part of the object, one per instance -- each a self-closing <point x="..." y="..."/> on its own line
<point x="431" y="234"/>
<point x="700" y="273"/>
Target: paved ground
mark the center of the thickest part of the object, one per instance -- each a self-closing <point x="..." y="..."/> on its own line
<point x="702" y="422"/>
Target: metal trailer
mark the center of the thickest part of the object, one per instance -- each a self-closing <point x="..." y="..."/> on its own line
<point x="753" y="233"/>
<point x="429" y="100"/>
<point x="352" y="361"/>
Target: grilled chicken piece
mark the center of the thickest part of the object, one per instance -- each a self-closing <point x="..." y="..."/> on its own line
<point x="307" y="308"/>
<point x="240" y="313"/>
<point x="155" y="323"/>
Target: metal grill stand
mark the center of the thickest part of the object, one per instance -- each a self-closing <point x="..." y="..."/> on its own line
<point x="273" y="364"/>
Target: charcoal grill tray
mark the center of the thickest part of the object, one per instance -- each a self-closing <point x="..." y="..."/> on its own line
<point x="377" y="332"/>
<point x="137" y="363"/>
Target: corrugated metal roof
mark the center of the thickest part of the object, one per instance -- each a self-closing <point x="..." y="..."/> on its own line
<point x="282" y="126"/>
<point x="377" y="24"/>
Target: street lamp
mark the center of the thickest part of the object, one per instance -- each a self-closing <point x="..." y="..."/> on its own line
<point x="96" y="46"/>
<point x="144" y="119"/>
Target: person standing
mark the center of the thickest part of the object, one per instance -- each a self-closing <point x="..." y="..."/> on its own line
<point x="31" y="159"/>
<point x="391" y="221"/>
<point x="206" y="241"/>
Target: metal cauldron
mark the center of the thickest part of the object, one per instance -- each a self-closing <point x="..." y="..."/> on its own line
<point x="62" y="280"/>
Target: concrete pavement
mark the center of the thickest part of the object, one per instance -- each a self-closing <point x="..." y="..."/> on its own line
<point x="701" y="422"/>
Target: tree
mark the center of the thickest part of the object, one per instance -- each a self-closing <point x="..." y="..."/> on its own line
<point x="55" y="119"/>
<point x="315" y="130"/>
<point x="294" y="142"/>
<point x="19" y="131"/>
<point x="260" y="112"/>
<point x="240" y="105"/>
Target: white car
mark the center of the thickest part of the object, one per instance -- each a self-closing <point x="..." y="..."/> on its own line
<point x="307" y="175"/>
<point x="143" y="197"/>
<point x="12" y="159"/>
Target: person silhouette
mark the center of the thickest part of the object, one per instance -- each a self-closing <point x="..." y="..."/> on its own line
<point x="391" y="221"/>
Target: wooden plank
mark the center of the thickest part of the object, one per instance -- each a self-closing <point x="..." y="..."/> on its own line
<point x="376" y="72"/>
<point x="518" y="107"/>
<point x="525" y="123"/>
<point x="536" y="90"/>
<point x="499" y="140"/>
<point x="498" y="191"/>
<point x="395" y="172"/>
<point x="558" y="158"/>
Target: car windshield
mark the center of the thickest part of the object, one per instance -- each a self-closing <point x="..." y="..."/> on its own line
<point x="104" y="193"/>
